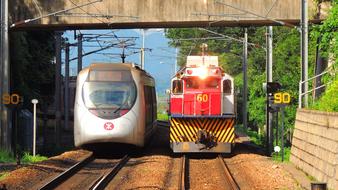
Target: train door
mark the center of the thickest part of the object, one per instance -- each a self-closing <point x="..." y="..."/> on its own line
<point x="176" y="97"/>
<point x="149" y="107"/>
<point x="228" y="97"/>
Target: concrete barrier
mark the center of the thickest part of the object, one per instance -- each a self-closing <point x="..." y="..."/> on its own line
<point x="315" y="145"/>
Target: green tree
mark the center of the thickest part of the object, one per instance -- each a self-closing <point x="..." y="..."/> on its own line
<point x="32" y="71"/>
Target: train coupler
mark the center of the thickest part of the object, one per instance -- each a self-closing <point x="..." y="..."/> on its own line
<point x="207" y="139"/>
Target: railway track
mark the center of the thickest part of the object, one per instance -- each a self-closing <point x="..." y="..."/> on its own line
<point x="184" y="174"/>
<point x="163" y="123"/>
<point x="101" y="180"/>
<point x="228" y="177"/>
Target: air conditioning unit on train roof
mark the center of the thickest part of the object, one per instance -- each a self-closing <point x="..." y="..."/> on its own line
<point x="199" y="61"/>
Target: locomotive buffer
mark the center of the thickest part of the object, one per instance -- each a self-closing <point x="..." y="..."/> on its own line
<point x="202" y="107"/>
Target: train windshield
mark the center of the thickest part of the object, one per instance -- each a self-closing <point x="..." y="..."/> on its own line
<point x="109" y="95"/>
<point x="109" y="90"/>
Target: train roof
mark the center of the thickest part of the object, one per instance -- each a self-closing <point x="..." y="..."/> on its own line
<point x="202" y="61"/>
<point x="117" y="66"/>
<point x="111" y="66"/>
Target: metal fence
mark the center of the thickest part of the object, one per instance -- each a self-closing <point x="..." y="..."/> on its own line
<point x="332" y="71"/>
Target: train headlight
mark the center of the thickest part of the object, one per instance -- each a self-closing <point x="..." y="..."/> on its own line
<point x="202" y="72"/>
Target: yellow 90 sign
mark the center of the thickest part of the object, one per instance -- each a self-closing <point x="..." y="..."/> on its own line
<point x="282" y="98"/>
<point x="10" y="99"/>
<point x="202" y="97"/>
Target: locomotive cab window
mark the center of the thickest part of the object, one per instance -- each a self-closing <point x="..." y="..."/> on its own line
<point x="212" y="83"/>
<point x="227" y="86"/>
<point x="193" y="83"/>
<point x="177" y="86"/>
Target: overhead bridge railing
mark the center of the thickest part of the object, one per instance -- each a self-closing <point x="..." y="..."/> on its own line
<point x="331" y="71"/>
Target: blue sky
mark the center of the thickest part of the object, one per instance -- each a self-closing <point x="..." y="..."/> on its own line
<point x="159" y="62"/>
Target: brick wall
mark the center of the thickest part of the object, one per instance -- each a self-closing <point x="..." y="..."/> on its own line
<point x="315" y="145"/>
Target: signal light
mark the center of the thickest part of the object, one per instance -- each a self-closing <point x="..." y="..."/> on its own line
<point x="202" y="72"/>
<point x="272" y="87"/>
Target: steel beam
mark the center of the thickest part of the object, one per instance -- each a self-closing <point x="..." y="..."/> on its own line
<point x="245" y="79"/>
<point x="5" y="125"/>
<point x="58" y="36"/>
<point x="269" y="63"/>
<point x="304" y="49"/>
<point x="79" y="53"/>
<point x="66" y="85"/>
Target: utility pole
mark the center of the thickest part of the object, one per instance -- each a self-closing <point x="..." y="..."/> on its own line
<point x="58" y="36"/>
<point x="123" y="55"/>
<point x="142" y="49"/>
<point x="304" y="53"/>
<point x="269" y="63"/>
<point x="66" y="102"/>
<point x="5" y="128"/>
<point x="79" y="52"/>
<point x="245" y="79"/>
<point x="175" y="69"/>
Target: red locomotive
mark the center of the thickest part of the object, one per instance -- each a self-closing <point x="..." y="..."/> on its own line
<point x="202" y="107"/>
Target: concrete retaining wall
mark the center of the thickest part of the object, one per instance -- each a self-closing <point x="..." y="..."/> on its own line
<point x="315" y="145"/>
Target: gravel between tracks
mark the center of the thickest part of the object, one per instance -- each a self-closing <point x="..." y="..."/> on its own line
<point x="254" y="171"/>
<point x="157" y="167"/>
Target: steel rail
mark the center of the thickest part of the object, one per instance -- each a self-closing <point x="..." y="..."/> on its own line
<point x="104" y="180"/>
<point x="229" y="178"/>
<point x="67" y="174"/>
<point x="183" y="176"/>
<point x="163" y="123"/>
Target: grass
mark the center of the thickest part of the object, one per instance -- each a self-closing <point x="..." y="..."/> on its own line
<point x="162" y="116"/>
<point x="3" y="175"/>
<point x="6" y="156"/>
<point x="254" y="136"/>
<point x="278" y="157"/>
<point x="27" y="158"/>
<point x="329" y="100"/>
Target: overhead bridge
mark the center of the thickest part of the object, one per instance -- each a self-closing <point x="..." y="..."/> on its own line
<point x="106" y="14"/>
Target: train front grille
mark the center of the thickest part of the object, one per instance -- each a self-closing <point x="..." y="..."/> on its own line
<point x="187" y="129"/>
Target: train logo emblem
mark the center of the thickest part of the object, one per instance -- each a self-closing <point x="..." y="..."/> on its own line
<point x="108" y="126"/>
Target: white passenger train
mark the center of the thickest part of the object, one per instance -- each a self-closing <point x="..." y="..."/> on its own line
<point x="114" y="103"/>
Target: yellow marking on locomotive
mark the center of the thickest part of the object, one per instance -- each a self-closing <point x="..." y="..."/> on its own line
<point x="186" y="129"/>
<point x="219" y="129"/>
<point x="229" y="135"/>
<point x="224" y="128"/>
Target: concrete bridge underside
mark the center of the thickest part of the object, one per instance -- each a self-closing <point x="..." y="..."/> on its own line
<point x="105" y="14"/>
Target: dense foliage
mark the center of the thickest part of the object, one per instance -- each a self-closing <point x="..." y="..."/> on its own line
<point x="329" y="101"/>
<point x="32" y="71"/>
<point x="328" y="33"/>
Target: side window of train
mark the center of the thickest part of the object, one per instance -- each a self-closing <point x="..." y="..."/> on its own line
<point x="148" y="104"/>
<point x="227" y="86"/>
<point x="153" y="91"/>
<point x="177" y="86"/>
